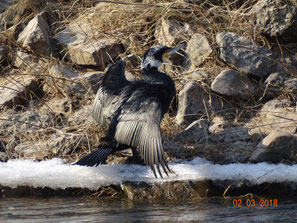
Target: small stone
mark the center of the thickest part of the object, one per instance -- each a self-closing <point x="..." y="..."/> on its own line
<point x="33" y="151"/>
<point x="94" y="79"/>
<point x="200" y="75"/>
<point x="25" y="59"/>
<point x="232" y="83"/>
<point x="276" y="79"/>
<point x="275" y="147"/>
<point x="13" y="122"/>
<point x="18" y="91"/>
<point x="170" y="31"/>
<point x="198" y="49"/>
<point x="3" y="155"/>
<point x="291" y="85"/>
<point x="65" y="144"/>
<point x="5" y="4"/>
<point x="234" y="134"/>
<point x="63" y="71"/>
<point x="242" y="53"/>
<point x="3" y="53"/>
<point x="218" y="124"/>
<point x="36" y="35"/>
<point x="196" y="131"/>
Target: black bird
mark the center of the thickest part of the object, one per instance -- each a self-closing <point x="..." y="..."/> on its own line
<point x="134" y="110"/>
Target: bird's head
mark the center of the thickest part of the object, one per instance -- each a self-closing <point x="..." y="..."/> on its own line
<point x="155" y="56"/>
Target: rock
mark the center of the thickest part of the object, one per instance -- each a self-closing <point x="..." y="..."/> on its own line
<point x="275" y="147"/>
<point x="95" y="78"/>
<point x="276" y="79"/>
<point x="65" y="144"/>
<point x="199" y="75"/>
<point x="63" y="71"/>
<point x="275" y="115"/>
<point x="218" y="124"/>
<point x="12" y="122"/>
<point x="195" y="132"/>
<point x="176" y="190"/>
<point x="5" y="4"/>
<point x="18" y="91"/>
<point x="82" y="116"/>
<point x="237" y="152"/>
<point x="291" y="85"/>
<point x="3" y="155"/>
<point x="33" y="64"/>
<point x="36" y="35"/>
<point x="31" y="150"/>
<point x="234" y="134"/>
<point x="277" y="83"/>
<point x="242" y="53"/>
<point x="71" y="82"/>
<point x="194" y="102"/>
<point x="132" y="60"/>
<point x="198" y="49"/>
<point x="82" y="49"/>
<point x="3" y="53"/>
<point x="170" y="31"/>
<point x="223" y="131"/>
<point x="277" y="18"/>
<point x="232" y="83"/>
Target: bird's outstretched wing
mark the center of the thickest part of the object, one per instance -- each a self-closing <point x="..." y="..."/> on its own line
<point x="108" y="97"/>
<point x="139" y="126"/>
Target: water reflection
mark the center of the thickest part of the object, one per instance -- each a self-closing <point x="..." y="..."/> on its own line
<point x="57" y="209"/>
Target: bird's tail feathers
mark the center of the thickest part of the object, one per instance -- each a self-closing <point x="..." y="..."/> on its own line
<point x="96" y="157"/>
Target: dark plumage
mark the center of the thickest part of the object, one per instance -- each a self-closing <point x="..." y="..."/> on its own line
<point x="134" y="110"/>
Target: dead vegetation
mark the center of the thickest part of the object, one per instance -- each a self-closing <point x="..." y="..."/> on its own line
<point x="133" y="23"/>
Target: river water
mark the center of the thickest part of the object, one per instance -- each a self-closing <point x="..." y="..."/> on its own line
<point x="74" y="209"/>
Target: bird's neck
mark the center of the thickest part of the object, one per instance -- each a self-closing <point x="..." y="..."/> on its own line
<point x="153" y="76"/>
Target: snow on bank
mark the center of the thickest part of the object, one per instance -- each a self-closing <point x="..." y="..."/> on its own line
<point x="56" y="174"/>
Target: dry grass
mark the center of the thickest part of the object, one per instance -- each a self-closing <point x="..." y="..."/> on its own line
<point x="133" y="23"/>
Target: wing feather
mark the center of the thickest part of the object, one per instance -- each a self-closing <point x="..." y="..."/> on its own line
<point x="108" y="98"/>
<point x="139" y="126"/>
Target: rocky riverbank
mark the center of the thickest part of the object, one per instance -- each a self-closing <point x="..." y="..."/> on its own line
<point x="236" y="80"/>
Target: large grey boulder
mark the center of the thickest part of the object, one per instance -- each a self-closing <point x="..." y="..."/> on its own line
<point x="232" y="83"/>
<point x="36" y="35"/>
<point x="79" y="42"/>
<point x="275" y="115"/>
<point x="244" y="55"/>
<point x="198" y="49"/>
<point x="16" y="92"/>
<point x="194" y="102"/>
<point x="277" y="19"/>
<point x="275" y="147"/>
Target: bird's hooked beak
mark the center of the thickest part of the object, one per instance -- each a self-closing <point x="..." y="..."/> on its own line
<point x="174" y="50"/>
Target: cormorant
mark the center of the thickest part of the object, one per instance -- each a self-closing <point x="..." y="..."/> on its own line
<point x="134" y="110"/>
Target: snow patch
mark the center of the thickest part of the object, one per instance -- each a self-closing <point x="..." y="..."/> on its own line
<point x="56" y="174"/>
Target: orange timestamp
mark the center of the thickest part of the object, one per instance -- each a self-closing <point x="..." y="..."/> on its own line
<point x="254" y="203"/>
